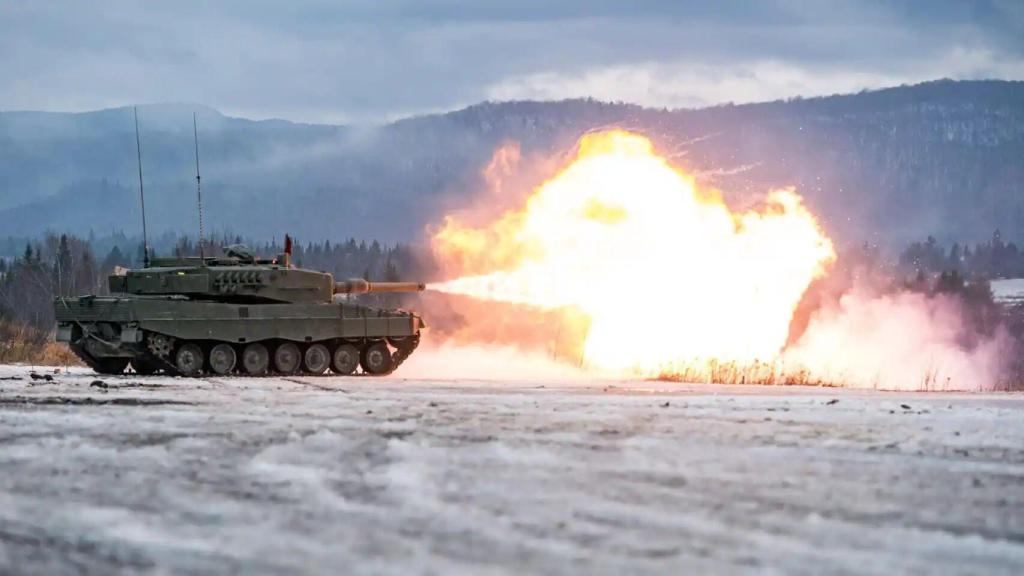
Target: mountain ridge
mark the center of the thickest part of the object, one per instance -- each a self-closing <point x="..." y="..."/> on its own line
<point x="880" y="166"/>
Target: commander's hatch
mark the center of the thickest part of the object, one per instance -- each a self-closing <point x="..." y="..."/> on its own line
<point x="241" y="252"/>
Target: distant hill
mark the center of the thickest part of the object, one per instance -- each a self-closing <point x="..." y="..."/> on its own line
<point x="943" y="158"/>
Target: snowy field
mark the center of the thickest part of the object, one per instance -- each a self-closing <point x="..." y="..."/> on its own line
<point x="1010" y="291"/>
<point x="399" y="476"/>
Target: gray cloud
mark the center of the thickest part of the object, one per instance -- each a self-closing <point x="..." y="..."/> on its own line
<point x="370" y="61"/>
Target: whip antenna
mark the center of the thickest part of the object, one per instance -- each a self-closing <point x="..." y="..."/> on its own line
<point x="199" y="192"/>
<point x="142" y="196"/>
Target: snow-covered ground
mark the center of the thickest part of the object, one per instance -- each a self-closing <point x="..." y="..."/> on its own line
<point x="1009" y="291"/>
<point x="360" y="475"/>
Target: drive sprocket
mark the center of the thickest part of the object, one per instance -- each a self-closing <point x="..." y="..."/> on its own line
<point x="160" y="346"/>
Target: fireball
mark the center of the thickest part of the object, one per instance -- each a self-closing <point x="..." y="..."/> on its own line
<point x="665" y="272"/>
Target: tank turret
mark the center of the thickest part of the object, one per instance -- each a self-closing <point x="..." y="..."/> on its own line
<point x="236" y="280"/>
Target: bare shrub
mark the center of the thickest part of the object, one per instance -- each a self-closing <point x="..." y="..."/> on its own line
<point x="20" y="343"/>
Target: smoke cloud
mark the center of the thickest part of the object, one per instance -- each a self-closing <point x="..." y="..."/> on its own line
<point x="904" y="341"/>
<point x="450" y="360"/>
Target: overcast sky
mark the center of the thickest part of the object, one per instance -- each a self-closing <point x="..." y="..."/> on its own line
<point x="373" y="60"/>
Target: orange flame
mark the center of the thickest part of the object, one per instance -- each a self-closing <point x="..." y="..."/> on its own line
<point x="665" y="272"/>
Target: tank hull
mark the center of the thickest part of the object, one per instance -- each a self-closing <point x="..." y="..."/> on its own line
<point x="150" y="331"/>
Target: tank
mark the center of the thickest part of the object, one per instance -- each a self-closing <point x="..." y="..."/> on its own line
<point x="236" y="314"/>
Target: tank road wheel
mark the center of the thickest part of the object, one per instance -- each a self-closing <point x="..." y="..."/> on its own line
<point x="345" y="359"/>
<point x="317" y="359"/>
<point x="144" y="367"/>
<point x="111" y="365"/>
<point x="189" y="359"/>
<point x="255" y="359"/>
<point x="287" y="358"/>
<point x="222" y="359"/>
<point x="376" y="358"/>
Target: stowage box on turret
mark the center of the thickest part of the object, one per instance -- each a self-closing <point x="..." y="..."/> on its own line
<point x="236" y="314"/>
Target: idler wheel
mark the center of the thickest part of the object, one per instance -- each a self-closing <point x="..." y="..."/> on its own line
<point x="255" y="359"/>
<point x="345" y="359"/>
<point x="317" y="359"/>
<point x="111" y="365"/>
<point x="189" y="359"/>
<point x="376" y="358"/>
<point x="222" y="359"/>
<point x="287" y="358"/>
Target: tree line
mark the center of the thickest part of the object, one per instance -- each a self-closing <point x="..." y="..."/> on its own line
<point x="993" y="259"/>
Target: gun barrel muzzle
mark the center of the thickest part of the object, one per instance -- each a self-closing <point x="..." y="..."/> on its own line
<point x="360" y="286"/>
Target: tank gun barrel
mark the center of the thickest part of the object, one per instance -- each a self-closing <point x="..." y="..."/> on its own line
<point x="360" y="286"/>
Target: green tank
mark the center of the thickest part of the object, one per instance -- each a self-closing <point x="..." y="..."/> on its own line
<point x="236" y="314"/>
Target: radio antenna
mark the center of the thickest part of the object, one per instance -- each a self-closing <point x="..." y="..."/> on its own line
<point x="142" y="196"/>
<point x="199" y="192"/>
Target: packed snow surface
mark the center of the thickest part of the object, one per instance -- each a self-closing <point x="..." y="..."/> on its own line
<point x="397" y="476"/>
<point x="1010" y="291"/>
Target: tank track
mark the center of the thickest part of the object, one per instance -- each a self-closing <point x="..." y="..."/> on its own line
<point x="401" y="353"/>
<point x="90" y="360"/>
<point x="158" y="356"/>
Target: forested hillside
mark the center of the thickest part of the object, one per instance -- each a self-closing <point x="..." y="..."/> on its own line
<point x="887" y="167"/>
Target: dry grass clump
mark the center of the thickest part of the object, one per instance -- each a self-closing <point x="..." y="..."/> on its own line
<point x="23" y="344"/>
<point x="757" y="373"/>
<point x="776" y="374"/>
